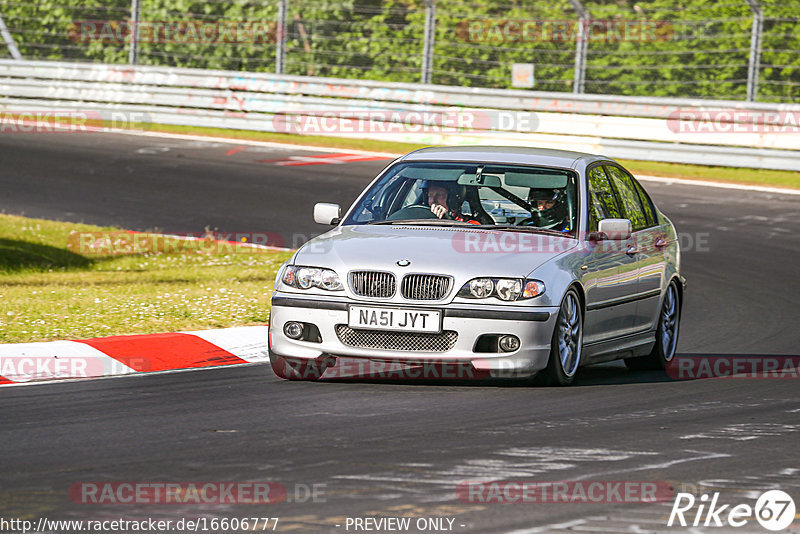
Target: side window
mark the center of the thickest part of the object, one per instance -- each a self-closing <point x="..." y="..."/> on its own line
<point x="602" y="203"/>
<point x="628" y="196"/>
<point x="647" y="204"/>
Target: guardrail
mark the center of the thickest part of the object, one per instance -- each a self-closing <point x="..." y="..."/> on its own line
<point x="731" y="133"/>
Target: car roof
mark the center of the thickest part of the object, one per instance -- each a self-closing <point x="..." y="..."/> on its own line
<point x="504" y="154"/>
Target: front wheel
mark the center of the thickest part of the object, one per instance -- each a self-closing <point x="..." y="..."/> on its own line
<point x="567" y="344"/>
<point x="295" y="369"/>
<point x="666" y="335"/>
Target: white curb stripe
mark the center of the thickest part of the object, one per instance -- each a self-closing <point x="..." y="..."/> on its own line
<point x="247" y="342"/>
<point x="31" y="363"/>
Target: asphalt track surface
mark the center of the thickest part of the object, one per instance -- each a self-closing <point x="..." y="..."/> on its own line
<point x="386" y="449"/>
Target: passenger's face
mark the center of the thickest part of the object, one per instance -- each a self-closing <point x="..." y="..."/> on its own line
<point x="437" y="195"/>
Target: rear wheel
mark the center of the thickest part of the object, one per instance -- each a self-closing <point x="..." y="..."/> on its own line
<point x="567" y="344"/>
<point x="295" y="369"/>
<point x="666" y="334"/>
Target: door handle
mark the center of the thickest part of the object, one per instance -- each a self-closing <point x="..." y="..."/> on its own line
<point x="632" y="250"/>
<point x="661" y="242"/>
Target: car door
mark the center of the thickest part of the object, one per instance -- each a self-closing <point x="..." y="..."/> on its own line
<point x="647" y="238"/>
<point x="609" y="276"/>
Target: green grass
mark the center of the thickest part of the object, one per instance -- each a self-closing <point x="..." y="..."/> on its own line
<point x="715" y="174"/>
<point x="50" y="290"/>
<point x="673" y="170"/>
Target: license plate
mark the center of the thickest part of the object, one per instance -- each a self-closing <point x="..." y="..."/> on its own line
<point x="395" y="319"/>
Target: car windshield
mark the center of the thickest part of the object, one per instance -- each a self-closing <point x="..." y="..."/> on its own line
<point x="513" y="197"/>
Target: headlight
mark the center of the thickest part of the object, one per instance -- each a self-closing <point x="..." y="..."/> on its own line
<point x="480" y="288"/>
<point x="308" y="277"/>
<point x="508" y="289"/>
<point x="330" y="280"/>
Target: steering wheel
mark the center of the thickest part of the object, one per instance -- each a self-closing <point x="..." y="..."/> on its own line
<point x="533" y="220"/>
<point x="415" y="211"/>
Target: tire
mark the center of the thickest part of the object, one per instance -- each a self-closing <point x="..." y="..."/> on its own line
<point x="669" y="320"/>
<point x="566" y="347"/>
<point x="295" y="369"/>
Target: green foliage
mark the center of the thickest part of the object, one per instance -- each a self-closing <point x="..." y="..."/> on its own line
<point x="671" y="48"/>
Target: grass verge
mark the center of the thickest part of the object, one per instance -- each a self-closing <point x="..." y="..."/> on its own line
<point x="737" y="175"/>
<point x="51" y="289"/>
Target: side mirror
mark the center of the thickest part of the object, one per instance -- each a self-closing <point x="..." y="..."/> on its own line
<point x="615" y="229"/>
<point x="327" y="213"/>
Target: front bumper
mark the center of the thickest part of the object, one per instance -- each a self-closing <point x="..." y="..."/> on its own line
<point x="532" y="325"/>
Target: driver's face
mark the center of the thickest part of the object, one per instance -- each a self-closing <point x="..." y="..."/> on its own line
<point x="545" y="204"/>
<point x="437" y="195"/>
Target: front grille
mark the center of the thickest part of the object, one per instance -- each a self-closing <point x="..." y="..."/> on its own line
<point x="425" y="286"/>
<point x="372" y="284"/>
<point x="404" y="341"/>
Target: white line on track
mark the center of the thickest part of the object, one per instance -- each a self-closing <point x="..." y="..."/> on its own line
<point x="722" y="185"/>
<point x="252" y="142"/>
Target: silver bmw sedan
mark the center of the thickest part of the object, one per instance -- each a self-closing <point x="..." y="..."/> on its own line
<point x="511" y="261"/>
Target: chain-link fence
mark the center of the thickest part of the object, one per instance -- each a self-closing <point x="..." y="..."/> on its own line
<point x="729" y="49"/>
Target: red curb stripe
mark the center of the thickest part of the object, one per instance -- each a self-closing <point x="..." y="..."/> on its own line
<point x="340" y="158"/>
<point x="163" y="352"/>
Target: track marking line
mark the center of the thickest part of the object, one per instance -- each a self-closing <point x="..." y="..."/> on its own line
<point x="722" y="185"/>
<point x="321" y="159"/>
<point x="252" y="142"/>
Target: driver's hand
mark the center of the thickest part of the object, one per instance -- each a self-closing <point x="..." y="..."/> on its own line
<point x="439" y="210"/>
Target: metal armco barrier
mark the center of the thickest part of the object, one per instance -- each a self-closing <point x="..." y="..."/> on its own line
<point x="728" y="133"/>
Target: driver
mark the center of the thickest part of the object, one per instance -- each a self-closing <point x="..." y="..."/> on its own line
<point x="445" y="203"/>
<point x="551" y="209"/>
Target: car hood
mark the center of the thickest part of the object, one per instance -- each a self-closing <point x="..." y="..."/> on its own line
<point x="461" y="252"/>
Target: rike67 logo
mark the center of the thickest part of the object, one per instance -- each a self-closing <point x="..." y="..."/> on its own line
<point x="774" y="510"/>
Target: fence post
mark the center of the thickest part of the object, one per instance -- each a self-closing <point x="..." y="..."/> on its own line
<point x="754" y="64"/>
<point x="133" y="49"/>
<point x="9" y="39"/>
<point x="428" y="43"/>
<point x="580" y="47"/>
<point x="280" y="37"/>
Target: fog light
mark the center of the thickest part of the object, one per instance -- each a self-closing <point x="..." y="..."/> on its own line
<point x="293" y="330"/>
<point x="509" y="343"/>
